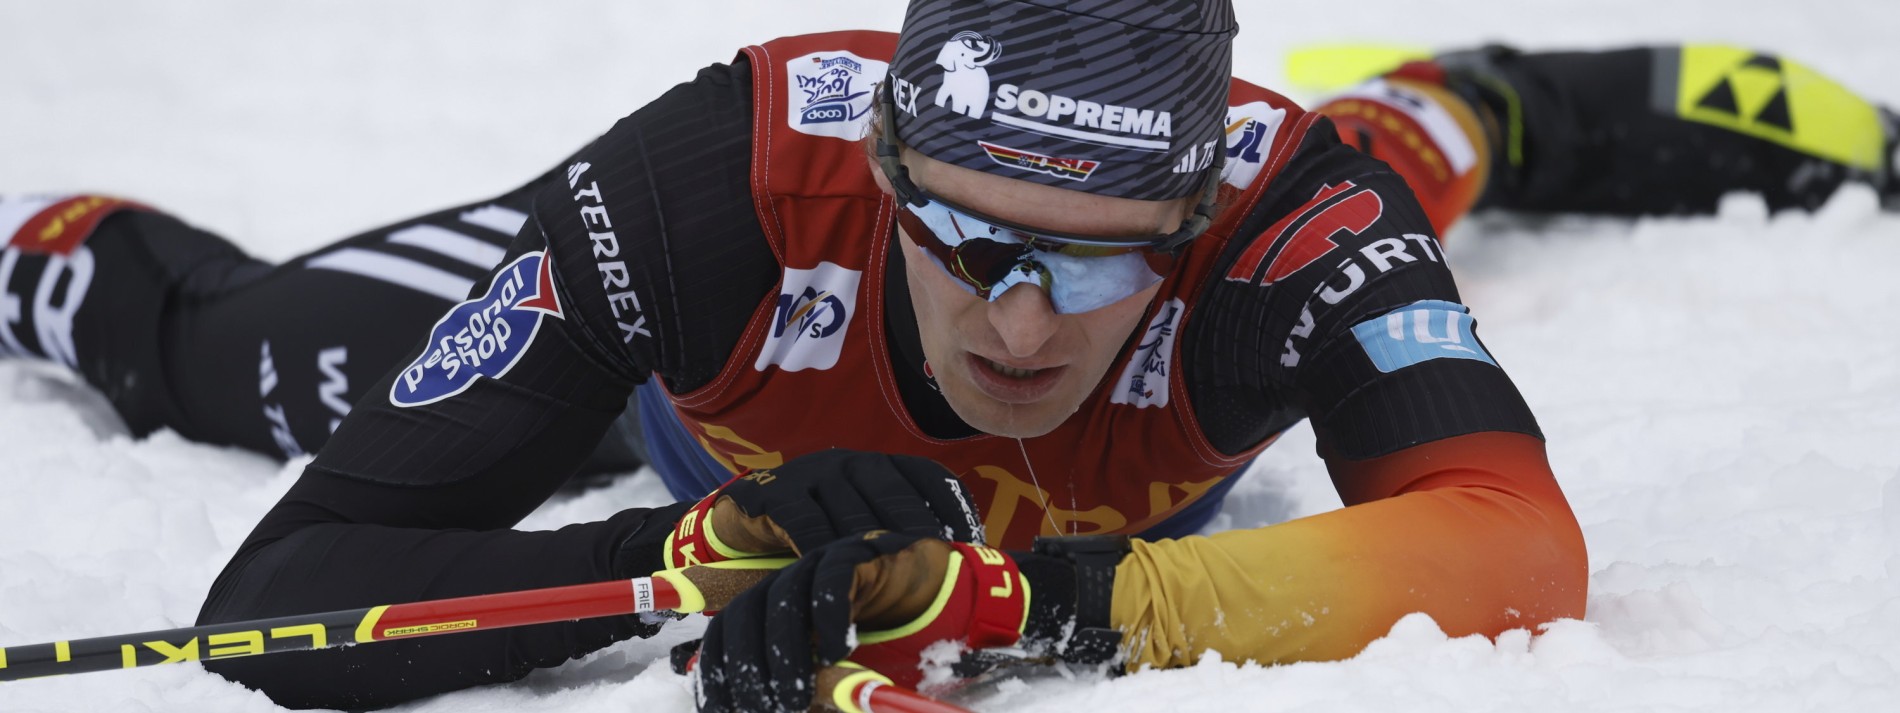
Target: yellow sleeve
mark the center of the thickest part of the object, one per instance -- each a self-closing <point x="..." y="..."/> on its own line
<point x="1471" y="530"/>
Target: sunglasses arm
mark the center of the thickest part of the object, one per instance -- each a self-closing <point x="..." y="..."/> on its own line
<point x="1203" y="216"/>
<point x="889" y="153"/>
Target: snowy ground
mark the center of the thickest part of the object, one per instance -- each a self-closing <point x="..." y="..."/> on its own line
<point x="1722" y="395"/>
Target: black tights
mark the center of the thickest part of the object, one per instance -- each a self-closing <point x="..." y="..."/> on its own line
<point x="180" y="329"/>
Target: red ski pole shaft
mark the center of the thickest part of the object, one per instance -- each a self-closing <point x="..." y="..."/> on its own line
<point x="850" y="688"/>
<point x="685" y="590"/>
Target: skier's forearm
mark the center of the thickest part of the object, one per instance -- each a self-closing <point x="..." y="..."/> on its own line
<point x="1482" y="547"/>
<point x="330" y="566"/>
<point x="404" y="505"/>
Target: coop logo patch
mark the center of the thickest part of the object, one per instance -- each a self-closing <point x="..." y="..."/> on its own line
<point x="1251" y="129"/>
<point x="831" y="93"/>
<point x="1418" y="333"/>
<point x="1144" y="381"/>
<point x="811" y="319"/>
<point x="485" y="336"/>
<point x="1074" y="169"/>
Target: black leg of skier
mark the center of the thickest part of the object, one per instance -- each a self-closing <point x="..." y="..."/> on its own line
<point x="1670" y="130"/>
<point x="180" y="329"/>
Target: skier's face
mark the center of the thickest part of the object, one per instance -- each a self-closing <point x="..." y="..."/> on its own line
<point x="1012" y="365"/>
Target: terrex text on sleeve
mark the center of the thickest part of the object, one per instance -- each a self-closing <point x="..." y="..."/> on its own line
<point x="615" y="279"/>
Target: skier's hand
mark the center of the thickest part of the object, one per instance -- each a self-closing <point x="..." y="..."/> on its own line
<point x="899" y="593"/>
<point x="819" y="498"/>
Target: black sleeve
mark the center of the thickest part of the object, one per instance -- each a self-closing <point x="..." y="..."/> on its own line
<point x="413" y="500"/>
<point x="657" y="232"/>
<point x="1338" y="242"/>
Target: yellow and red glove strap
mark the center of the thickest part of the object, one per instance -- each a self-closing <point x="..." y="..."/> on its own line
<point x="983" y="603"/>
<point x="693" y="541"/>
<point x="1002" y="597"/>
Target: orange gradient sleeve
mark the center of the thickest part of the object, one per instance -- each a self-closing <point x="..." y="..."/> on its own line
<point x="1472" y="530"/>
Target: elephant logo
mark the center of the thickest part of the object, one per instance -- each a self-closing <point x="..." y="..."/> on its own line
<point x="966" y="84"/>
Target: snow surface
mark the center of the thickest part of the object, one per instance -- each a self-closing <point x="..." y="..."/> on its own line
<point x="1722" y="395"/>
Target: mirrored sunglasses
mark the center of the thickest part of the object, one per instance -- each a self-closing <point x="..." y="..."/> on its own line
<point x="988" y="255"/>
<point x="987" y="259"/>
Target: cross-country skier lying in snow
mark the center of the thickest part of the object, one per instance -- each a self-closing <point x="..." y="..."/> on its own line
<point x="1016" y="296"/>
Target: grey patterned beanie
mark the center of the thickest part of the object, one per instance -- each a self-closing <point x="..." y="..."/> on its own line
<point x="1122" y="98"/>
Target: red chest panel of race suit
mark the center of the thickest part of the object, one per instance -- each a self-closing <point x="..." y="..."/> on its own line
<point x="813" y="371"/>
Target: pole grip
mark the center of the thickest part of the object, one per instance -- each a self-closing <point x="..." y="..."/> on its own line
<point x="710" y="587"/>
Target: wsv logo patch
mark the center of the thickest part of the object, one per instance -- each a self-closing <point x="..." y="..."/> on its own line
<point x="811" y="320"/>
<point x="485" y="336"/>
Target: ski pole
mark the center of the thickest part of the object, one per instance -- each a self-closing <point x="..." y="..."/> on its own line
<point x="851" y="688"/>
<point x="682" y="590"/>
<point x="689" y="590"/>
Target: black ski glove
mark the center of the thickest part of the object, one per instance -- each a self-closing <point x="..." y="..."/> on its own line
<point x="901" y="594"/>
<point x="811" y="501"/>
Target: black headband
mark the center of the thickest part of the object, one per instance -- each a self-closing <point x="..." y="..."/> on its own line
<point x="1122" y="98"/>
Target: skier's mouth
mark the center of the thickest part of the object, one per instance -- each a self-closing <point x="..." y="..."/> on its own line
<point x="1012" y="384"/>
<point x="1009" y="371"/>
